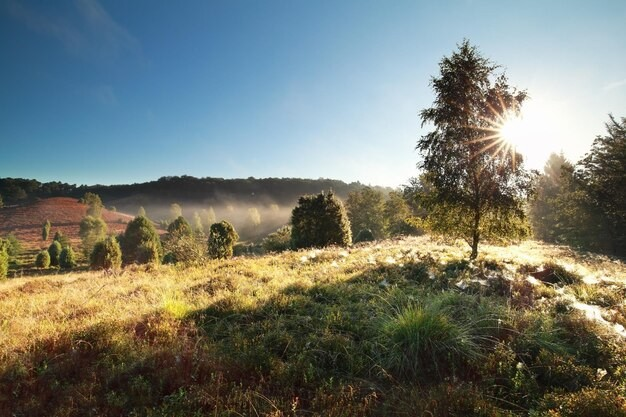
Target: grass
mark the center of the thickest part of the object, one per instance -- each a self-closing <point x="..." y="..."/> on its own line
<point x="379" y="329"/>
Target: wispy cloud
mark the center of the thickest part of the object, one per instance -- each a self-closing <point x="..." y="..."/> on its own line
<point x="89" y="32"/>
<point x="614" y="85"/>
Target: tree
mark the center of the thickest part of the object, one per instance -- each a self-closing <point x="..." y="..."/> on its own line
<point x="45" y="231"/>
<point x="180" y="243"/>
<point x="43" y="259"/>
<point x="91" y="231"/>
<point x="4" y="258"/>
<point x="222" y="237"/>
<point x="140" y="242"/>
<point x="67" y="259"/>
<point x="318" y="221"/>
<point x="198" y="227"/>
<point x="94" y="204"/>
<point x="106" y="254"/>
<point x="55" y="252"/>
<point x="175" y="211"/>
<point x="366" y="211"/>
<point x="208" y="217"/>
<point x="141" y="212"/>
<point x="397" y="213"/>
<point x="479" y="183"/>
<point x="1" y="202"/>
<point x="278" y="241"/>
<point x="603" y="173"/>
<point x="61" y="238"/>
<point x="179" y="228"/>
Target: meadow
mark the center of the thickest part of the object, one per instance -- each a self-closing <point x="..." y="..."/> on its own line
<point x="399" y="327"/>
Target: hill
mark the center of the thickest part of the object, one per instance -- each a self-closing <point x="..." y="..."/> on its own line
<point x="64" y="213"/>
<point x="405" y="327"/>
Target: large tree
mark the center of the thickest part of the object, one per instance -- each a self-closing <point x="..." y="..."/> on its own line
<point x="366" y="211"/>
<point x="479" y="184"/>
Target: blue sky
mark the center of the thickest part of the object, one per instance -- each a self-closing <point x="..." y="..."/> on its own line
<point x="128" y="91"/>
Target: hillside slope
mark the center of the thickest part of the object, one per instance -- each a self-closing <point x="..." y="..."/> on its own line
<point x="403" y="327"/>
<point x="64" y="213"/>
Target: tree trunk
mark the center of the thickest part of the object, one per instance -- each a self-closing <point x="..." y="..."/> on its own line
<point x="475" y="234"/>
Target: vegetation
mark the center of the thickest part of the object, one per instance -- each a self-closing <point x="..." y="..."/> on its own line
<point x="140" y="243"/>
<point x="43" y="259"/>
<point x="106" y="254"/>
<point x="67" y="258"/>
<point x="222" y="238"/>
<point x="364" y="235"/>
<point x="478" y="185"/>
<point x="55" y="252"/>
<point x="278" y="241"/>
<point x="366" y="211"/>
<point x="318" y="221"/>
<point x="91" y="231"/>
<point x="45" y="231"/>
<point x="4" y="258"/>
<point x="141" y="212"/>
<point x="94" y="204"/>
<point x="319" y="332"/>
<point x="181" y="245"/>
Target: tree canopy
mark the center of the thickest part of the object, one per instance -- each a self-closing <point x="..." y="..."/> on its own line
<point x="479" y="184"/>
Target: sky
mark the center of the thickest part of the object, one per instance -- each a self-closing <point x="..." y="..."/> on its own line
<point x="113" y="92"/>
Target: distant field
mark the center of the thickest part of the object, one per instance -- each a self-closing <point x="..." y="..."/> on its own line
<point x="64" y="213"/>
<point x="404" y="327"/>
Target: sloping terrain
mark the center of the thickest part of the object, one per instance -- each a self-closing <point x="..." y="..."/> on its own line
<point x="405" y="327"/>
<point x="64" y="213"/>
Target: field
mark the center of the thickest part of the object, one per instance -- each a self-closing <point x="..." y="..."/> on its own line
<point x="404" y="327"/>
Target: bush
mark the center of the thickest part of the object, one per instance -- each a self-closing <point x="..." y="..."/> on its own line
<point x="14" y="247"/>
<point x="140" y="242"/>
<point x="43" y="259"/>
<point x="179" y="228"/>
<point x="4" y="258"/>
<point x="45" y="230"/>
<point x="364" y="235"/>
<point x="67" y="259"/>
<point x="279" y="241"/>
<point x="319" y="221"/>
<point x="106" y="254"/>
<point x="55" y="252"/>
<point x="588" y="402"/>
<point x="91" y="231"/>
<point x="222" y="237"/>
<point x="425" y="342"/>
<point x="61" y="238"/>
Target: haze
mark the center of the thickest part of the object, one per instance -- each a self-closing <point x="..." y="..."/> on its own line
<point x="121" y="92"/>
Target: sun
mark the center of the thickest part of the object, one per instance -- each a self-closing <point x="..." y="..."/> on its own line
<point x="534" y="133"/>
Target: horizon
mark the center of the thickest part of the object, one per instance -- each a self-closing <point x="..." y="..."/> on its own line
<point x="108" y="93"/>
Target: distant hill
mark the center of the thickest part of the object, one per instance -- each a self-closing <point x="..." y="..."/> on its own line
<point x="230" y="199"/>
<point x="64" y="213"/>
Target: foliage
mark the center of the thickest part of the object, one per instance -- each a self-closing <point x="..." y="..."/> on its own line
<point x="278" y="241"/>
<point x="603" y="173"/>
<point x="45" y="231"/>
<point x="365" y="209"/>
<point x="1" y="202"/>
<point x="94" y="204"/>
<point x="140" y="242"/>
<point x="180" y="243"/>
<point x="61" y="238"/>
<point x="4" y="258"/>
<point x="397" y="214"/>
<point x="43" y="259"/>
<point x="67" y="259"/>
<point x="106" y="254"/>
<point x="318" y="221"/>
<point x="175" y="211"/>
<point x="14" y="246"/>
<point x="478" y="183"/>
<point x="198" y="227"/>
<point x="208" y="217"/>
<point x="55" y="252"/>
<point x="222" y="237"/>
<point x="364" y="235"/>
<point x="91" y="231"/>
<point x="141" y="212"/>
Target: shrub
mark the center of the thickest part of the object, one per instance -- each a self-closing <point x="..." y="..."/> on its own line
<point x="319" y="221"/>
<point x="106" y="254"/>
<point x="55" y="252"/>
<point x="140" y="242"/>
<point x="180" y="244"/>
<point x="179" y="228"/>
<point x="43" y="259"/>
<point x="67" y="259"/>
<point x="588" y="402"/>
<point x="91" y="231"/>
<point x="45" y="230"/>
<point x="14" y="247"/>
<point x="4" y="258"/>
<point x="425" y="342"/>
<point x="364" y="235"/>
<point x="278" y="241"/>
<point x="222" y="237"/>
<point x="94" y="204"/>
<point x="61" y="238"/>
